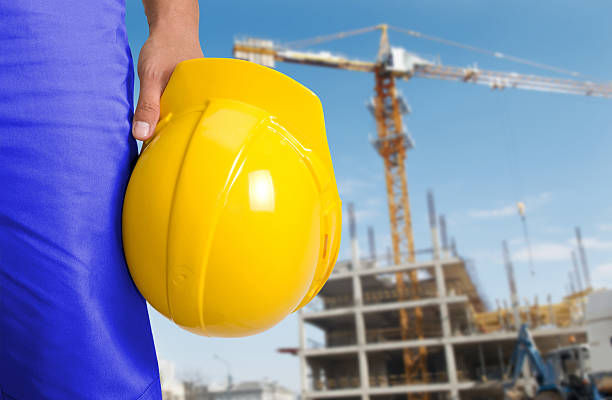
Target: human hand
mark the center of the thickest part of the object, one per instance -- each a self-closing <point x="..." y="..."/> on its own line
<point x="162" y="51"/>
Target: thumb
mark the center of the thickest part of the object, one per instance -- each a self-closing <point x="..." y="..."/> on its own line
<point x="147" y="109"/>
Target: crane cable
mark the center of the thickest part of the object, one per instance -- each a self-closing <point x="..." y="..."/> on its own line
<point x="521" y="210"/>
<point x="495" y="54"/>
<point x="296" y="44"/>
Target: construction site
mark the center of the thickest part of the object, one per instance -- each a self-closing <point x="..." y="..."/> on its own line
<point x="402" y="326"/>
<point x="435" y="337"/>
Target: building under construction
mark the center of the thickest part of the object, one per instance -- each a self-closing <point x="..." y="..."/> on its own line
<point x="367" y="335"/>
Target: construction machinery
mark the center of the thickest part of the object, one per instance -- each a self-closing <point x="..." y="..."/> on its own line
<point x="562" y="375"/>
<point x="393" y="139"/>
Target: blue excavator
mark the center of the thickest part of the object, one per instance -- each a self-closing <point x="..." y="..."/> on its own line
<point x="562" y="374"/>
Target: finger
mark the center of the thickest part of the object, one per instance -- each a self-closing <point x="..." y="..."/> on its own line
<point x="147" y="109"/>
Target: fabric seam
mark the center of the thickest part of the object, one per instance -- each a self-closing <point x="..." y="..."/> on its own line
<point x="9" y="397"/>
<point x="149" y="386"/>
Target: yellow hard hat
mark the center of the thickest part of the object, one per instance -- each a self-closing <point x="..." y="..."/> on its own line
<point x="232" y="218"/>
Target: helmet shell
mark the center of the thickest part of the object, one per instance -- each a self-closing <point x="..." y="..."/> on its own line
<point x="232" y="218"/>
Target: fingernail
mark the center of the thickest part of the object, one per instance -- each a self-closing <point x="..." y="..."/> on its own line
<point x="141" y="129"/>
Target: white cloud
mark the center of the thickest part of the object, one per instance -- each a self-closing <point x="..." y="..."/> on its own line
<point x="538" y="200"/>
<point x="370" y="209"/>
<point x="597" y="244"/>
<point x="365" y="214"/>
<point x="602" y="275"/>
<point x="605" y="227"/>
<point x="554" y="230"/>
<point x="486" y="256"/>
<point x="553" y="251"/>
<point x="593" y="243"/>
<point x="376" y="201"/>
<point x="352" y="186"/>
<point x="516" y="241"/>
<point x="531" y="203"/>
<point x="543" y="252"/>
<point x="493" y="213"/>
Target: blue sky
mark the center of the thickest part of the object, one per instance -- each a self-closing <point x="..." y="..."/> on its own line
<point x="479" y="151"/>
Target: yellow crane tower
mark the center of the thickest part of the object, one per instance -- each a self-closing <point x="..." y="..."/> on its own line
<point x="393" y="139"/>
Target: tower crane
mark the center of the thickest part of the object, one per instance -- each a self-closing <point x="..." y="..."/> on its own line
<point x="393" y="139"/>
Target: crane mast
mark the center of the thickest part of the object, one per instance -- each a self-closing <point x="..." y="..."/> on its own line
<point x="392" y="144"/>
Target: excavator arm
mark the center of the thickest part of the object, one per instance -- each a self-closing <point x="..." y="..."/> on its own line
<point x="526" y="349"/>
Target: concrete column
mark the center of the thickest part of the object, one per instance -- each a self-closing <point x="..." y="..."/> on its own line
<point x="364" y="375"/>
<point x="444" y="237"/>
<point x="353" y="235"/>
<point x="316" y="374"/>
<point x="453" y="246"/>
<point x="483" y="367"/>
<point x="303" y="366"/>
<point x="468" y="317"/>
<point x="500" y="356"/>
<point x="583" y="260"/>
<point x="571" y="282"/>
<point x="372" y="245"/>
<point x="449" y="355"/>
<point x="581" y="287"/>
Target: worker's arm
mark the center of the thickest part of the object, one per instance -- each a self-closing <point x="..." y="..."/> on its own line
<point x="173" y="37"/>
